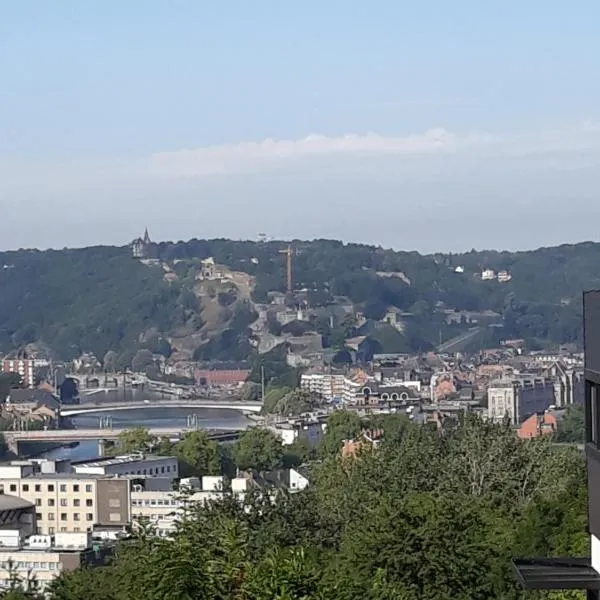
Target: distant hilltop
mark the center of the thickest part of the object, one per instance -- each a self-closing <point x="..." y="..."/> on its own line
<point x="213" y="299"/>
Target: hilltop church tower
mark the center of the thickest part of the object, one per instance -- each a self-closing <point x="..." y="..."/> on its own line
<point x="140" y="246"/>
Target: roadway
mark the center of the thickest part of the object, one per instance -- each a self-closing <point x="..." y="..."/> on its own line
<point x="69" y="410"/>
<point x="447" y="347"/>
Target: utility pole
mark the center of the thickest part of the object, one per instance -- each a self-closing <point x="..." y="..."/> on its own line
<point x="262" y="383"/>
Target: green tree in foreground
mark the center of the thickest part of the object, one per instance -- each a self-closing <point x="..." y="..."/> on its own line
<point x="198" y="454"/>
<point x="258" y="449"/>
<point x="341" y="425"/>
<point x="423" y="517"/>
<point x="571" y="428"/>
<point x="135" y="440"/>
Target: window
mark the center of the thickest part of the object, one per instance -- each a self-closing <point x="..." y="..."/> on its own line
<point x="38" y="516"/>
<point x="63" y="502"/>
<point x="25" y="487"/>
<point x="38" y="487"/>
<point x="63" y="530"/>
<point x="63" y="516"/>
<point x="88" y="488"/>
<point x="76" y="488"/>
<point x="114" y="503"/>
<point x="76" y="517"/>
<point x="162" y="469"/>
<point x="114" y="517"/>
<point x="50" y="516"/>
<point x="51" y="530"/>
<point x="13" y="487"/>
<point x="76" y="502"/>
<point x="89" y="517"/>
<point x="50" y="487"/>
<point x="89" y="502"/>
<point x="63" y="487"/>
<point x="76" y="529"/>
<point x="38" y="501"/>
<point x="51" y="502"/>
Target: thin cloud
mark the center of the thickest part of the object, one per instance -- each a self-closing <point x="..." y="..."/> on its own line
<point x="250" y="157"/>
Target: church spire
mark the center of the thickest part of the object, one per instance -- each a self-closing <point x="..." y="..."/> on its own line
<point x="146" y="236"/>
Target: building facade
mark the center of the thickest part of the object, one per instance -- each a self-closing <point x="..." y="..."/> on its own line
<point x="25" y="367"/>
<point x="519" y="398"/>
<point x="67" y="502"/>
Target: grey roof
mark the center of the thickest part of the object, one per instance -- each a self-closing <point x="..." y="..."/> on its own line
<point x="13" y="503"/>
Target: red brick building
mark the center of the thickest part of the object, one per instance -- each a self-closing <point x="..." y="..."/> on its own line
<point x="537" y="425"/>
<point x="228" y="377"/>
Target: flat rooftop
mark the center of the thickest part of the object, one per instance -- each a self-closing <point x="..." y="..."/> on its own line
<point x="556" y="574"/>
<point x="120" y="460"/>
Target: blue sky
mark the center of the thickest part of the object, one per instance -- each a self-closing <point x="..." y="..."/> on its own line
<point x="92" y="92"/>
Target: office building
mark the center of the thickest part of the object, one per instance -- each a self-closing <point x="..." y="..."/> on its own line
<point x="69" y="502"/>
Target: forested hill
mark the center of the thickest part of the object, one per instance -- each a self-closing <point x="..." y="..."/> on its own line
<point x="100" y="298"/>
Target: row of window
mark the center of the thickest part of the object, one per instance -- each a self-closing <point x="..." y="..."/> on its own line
<point x="155" y="471"/>
<point x="52" y="530"/>
<point x="50" y="487"/>
<point x="38" y="566"/>
<point x="64" y="516"/>
<point x="64" y="502"/>
<point x="155" y="503"/>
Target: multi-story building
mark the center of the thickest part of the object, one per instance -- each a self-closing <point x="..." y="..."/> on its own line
<point x="69" y="502"/>
<point x="518" y="398"/>
<point x="37" y="559"/>
<point x="163" y="509"/>
<point x="328" y="386"/>
<point x="25" y="367"/>
<point x="130" y="464"/>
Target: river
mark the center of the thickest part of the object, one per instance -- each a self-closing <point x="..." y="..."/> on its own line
<point x="206" y="418"/>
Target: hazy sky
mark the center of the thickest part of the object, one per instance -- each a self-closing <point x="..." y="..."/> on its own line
<point x="431" y="125"/>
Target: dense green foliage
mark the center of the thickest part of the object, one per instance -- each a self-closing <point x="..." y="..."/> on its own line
<point x="571" y="428"/>
<point x="99" y="299"/>
<point x="93" y="299"/>
<point x="422" y="517"/>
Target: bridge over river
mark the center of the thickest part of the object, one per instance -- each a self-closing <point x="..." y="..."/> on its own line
<point x="66" y="436"/>
<point x="70" y="410"/>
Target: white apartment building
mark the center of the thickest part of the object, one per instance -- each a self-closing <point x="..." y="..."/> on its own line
<point x="130" y="464"/>
<point x="326" y="385"/>
<point x="36" y="560"/>
<point x="69" y="502"/>
<point x="163" y="509"/>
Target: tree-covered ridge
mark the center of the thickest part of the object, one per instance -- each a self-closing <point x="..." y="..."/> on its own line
<point x="90" y="299"/>
<point x="99" y="299"/>
<point x="423" y="516"/>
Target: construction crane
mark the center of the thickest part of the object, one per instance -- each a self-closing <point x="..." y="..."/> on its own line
<point x="288" y="252"/>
